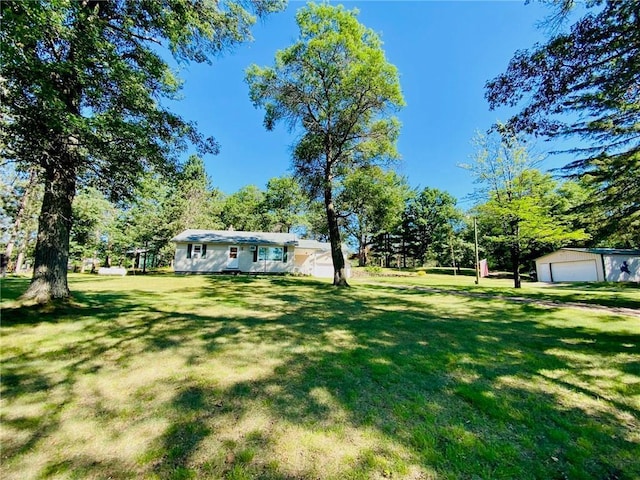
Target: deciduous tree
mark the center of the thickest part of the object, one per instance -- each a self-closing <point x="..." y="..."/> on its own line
<point x="81" y="83"/>
<point x="20" y="200"/>
<point x="336" y="87"/>
<point x="515" y="197"/>
<point x="285" y="203"/>
<point x="93" y="218"/>
<point x="193" y="201"/>
<point x="371" y="202"/>
<point x="244" y="210"/>
<point x="426" y="221"/>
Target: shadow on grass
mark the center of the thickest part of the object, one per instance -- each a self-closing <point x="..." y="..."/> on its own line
<point x="597" y="295"/>
<point x="471" y="388"/>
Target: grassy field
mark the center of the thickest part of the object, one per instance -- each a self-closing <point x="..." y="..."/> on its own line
<point x="287" y="378"/>
<point x="620" y="295"/>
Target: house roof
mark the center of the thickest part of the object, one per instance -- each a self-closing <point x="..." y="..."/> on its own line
<point x="247" y="238"/>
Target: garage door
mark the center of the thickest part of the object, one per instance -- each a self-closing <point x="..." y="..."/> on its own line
<point x="583" y="271"/>
<point x="323" y="270"/>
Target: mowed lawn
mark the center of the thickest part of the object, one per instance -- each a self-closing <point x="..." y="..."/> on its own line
<point x="175" y="377"/>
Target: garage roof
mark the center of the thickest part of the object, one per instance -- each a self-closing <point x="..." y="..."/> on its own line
<point x="606" y="251"/>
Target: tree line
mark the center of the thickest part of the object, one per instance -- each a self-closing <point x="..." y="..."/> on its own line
<point x="83" y="131"/>
<point x="386" y="222"/>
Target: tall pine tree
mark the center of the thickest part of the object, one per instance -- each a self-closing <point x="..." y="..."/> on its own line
<point x="585" y="84"/>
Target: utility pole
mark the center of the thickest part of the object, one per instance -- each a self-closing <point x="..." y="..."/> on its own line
<point x="475" y="234"/>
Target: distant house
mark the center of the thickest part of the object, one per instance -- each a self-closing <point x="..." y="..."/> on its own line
<point x="589" y="265"/>
<point x="226" y="251"/>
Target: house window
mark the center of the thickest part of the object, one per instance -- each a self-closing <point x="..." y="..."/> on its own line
<point x="233" y="252"/>
<point x="270" y="253"/>
<point x="197" y="250"/>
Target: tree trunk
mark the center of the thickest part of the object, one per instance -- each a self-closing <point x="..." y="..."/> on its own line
<point x="404" y="254"/>
<point x="515" y="264"/>
<point x="387" y="256"/>
<point x="21" y="255"/>
<point x="339" y="271"/>
<point x="24" y="202"/>
<point x="54" y="224"/>
<point x="362" y="251"/>
<point x="19" y="262"/>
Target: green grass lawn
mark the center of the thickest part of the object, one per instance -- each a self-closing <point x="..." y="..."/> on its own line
<point x="287" y="378"/>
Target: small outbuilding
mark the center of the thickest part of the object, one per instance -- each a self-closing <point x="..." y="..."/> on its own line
<point x="589" y="265"/>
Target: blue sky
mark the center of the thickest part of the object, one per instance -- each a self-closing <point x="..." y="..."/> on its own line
<point x="445" y="51"/>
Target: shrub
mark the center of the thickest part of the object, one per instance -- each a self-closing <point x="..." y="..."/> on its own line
<point x="373" y="270"/>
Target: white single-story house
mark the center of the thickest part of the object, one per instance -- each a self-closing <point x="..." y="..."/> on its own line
<point x="589" y="265"/>
<point x="228" y="251"/>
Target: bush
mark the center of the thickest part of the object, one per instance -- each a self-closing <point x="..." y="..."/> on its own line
<point x="373" y="270"/>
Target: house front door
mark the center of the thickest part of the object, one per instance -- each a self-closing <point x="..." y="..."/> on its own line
<point x="232" y="261"/>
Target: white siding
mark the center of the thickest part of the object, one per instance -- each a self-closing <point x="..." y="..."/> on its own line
<point x="306" y="261"/>
<point x="314" y="263"/>
<point x="570" y="265"/>
<point x="613" y="265"/>
<point x="303" y="262"/>
<point x="544" y="271"/>
<point x="217" y="258"/>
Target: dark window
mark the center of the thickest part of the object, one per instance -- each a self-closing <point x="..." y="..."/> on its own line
<point x="204" y="250"/>
<point x="189" y="248"/>
<point x="284" y="256"/>
<point x="255" y="255"/>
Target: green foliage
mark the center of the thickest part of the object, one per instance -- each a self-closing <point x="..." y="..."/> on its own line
<point x="163" y="207"/>
<point x="192" y="200"/>
<point x="583" y="83"/>
<point x="20" y="201"/>
<point x="373" y="269"/>
<point x="317" y="221"/>
<point x="427" y="223"/>
<point x="285" y="204"/>
<point x="578" y="205"/>
<point x="93" y="221"/>
<point x="335" y="87"/>
<point x="519" y="211"/>
<point x="80" y="98"/>
<point x="244" y="210"/>
<point x="371" y="202"/>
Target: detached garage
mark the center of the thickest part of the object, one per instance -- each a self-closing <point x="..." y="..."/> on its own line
<point x="589" y="265"/>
